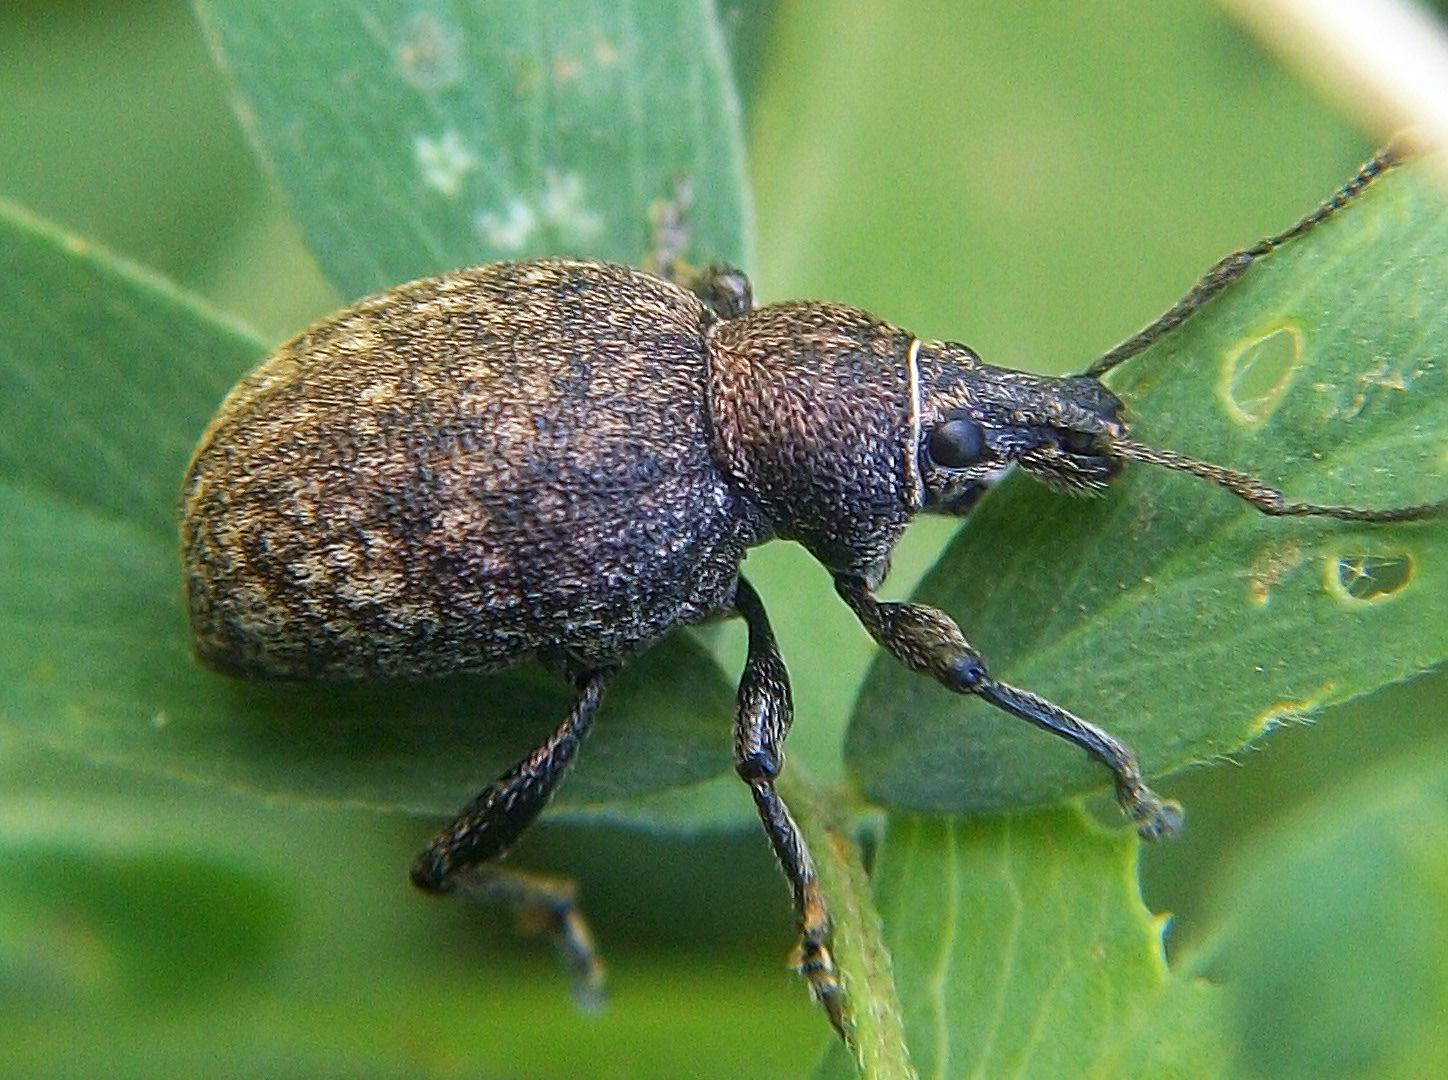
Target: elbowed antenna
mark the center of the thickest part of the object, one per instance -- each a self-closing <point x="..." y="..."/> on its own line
<point x="1250" y="489"/>
<point x="1264" y="497"/>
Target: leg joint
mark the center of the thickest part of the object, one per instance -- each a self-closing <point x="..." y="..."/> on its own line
<point x="432" y="872"/>
<point x="965" y="672"/>
<point x="757" y="765"/>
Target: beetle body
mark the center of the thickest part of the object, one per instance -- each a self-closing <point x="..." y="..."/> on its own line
<point x="463" y="472"/>
<point x="566" y="460"/>
<point x="558" y="458"/>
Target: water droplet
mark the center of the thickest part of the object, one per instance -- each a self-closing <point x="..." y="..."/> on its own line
<point x="1371" y="578"/>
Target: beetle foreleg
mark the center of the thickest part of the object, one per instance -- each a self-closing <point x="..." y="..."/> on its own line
<point x="927" y="640"/>
<point x="763" y="712"/>
<point x="489" y="825"/>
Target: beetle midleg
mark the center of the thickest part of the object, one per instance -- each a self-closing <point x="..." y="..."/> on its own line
<point x="927" y="640"/>
<point x="724" y="289"/>
<point x="763" y="712"/>
<point x="489" y="824"/>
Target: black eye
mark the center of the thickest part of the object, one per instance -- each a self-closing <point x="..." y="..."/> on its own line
<point x="957" y="443"/>
<point x="1080" y="442"/>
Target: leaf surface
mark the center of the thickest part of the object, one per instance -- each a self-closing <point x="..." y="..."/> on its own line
<point x="416" y="138"/>
<point x="1021" y="948"/>
<point x="1333" y="936"/>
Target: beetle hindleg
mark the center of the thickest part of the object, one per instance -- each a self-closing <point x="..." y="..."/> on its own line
<point x="544" y="905"/>
<point x="763" y="712"/>
<point x="489" y="824"/>
<point x="928" y="641"/>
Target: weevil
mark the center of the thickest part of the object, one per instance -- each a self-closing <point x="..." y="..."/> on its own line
<point x="566" y="460"/>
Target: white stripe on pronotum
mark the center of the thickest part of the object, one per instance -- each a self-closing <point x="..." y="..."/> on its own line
<point x="912" y="448"/>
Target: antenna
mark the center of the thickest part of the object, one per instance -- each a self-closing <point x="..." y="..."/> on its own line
<point x="1236" y="264"/>
<point x="1264" y="497"/>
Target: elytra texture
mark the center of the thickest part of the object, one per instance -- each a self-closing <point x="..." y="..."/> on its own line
<point x="510" y="460"/>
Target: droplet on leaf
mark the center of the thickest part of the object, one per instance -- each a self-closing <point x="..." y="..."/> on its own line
<point x="1371" y="578"/>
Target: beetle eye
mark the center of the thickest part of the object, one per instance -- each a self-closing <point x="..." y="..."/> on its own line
<point x="957" y="443"/>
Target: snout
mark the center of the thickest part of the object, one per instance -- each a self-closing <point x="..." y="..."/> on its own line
<point x="1092" y="396"/>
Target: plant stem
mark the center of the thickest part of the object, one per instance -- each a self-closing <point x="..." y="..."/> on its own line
<point x="878" y="1032"/>
<point x="1384" y="62"/>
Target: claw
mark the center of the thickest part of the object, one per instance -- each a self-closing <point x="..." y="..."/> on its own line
<point x="1156" y="818"/>
<point x="813" y="961"/>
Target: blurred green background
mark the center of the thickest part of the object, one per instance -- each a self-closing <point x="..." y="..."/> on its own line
<point x="1037" y="179"/>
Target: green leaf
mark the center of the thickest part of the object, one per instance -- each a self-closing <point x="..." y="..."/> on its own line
<point x="1334" y="946"/>
<point x="153" y="929"/>
<point x="1169" y="612"/>
<point x="414" y="138"/>
<point x="110" y="375"/>
<point x="1021" y="948"/>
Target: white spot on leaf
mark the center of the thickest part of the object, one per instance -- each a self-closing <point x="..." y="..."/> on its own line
<point x="509" y="230"/>
<point x="559" y="207"/>
<point x="562" y="206"/>
<point x="443" y="162"/>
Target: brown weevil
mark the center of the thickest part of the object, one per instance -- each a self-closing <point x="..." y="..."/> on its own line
<point x="567" y="460"/>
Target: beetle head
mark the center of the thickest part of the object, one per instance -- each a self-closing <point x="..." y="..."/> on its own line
<point x="971" y="421"/>
<point x="975" y="420"/>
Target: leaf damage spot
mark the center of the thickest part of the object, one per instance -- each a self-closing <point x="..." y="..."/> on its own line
<point x="559" y="207"/>
<point x="1257" y="371"/>
<point x="566" y="69"/>
<point x="669" y="221"/>
<point x="1290" y="712"/>
<point x="443" y="161"/>
<point x="1370" y="579"/>
<point x="605" y="54"/>
<point x="1373" y="381"/>
<point x="429" y="52"/>
<point x="1269" y="566"/>
<point x="584" y="61"/>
